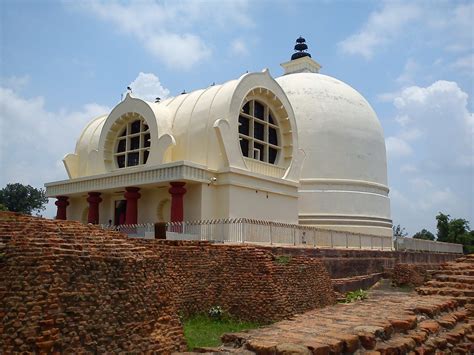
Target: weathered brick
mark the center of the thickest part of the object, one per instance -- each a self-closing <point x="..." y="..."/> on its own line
<point x="83" y="286"/>
<point x="430" y="326"/>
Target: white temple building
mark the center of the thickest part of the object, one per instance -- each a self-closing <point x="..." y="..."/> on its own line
<point x="301" y="148"/>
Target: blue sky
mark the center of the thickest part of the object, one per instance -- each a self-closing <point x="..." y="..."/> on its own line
<point x="65" y="62"/>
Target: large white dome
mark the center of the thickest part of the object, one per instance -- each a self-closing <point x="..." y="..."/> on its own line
<point x="344" y="177"/>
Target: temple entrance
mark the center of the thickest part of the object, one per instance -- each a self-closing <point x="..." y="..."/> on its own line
<point x="120" y="210"/>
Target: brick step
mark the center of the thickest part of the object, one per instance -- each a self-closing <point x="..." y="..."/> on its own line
<point x="454" y="278"/>
<point x="445" y="292"/>
<point x="457" y="340"/>
<point x="449" y="284"/>
<point x="466" y="259"/>
<point x="400" y="344"/>
<point x="455" y="272"/>
<point x="446" y="332"/>
<point x="396" y="335"/>
<point x="457" y="266"/>
<point x="458" y="271"/>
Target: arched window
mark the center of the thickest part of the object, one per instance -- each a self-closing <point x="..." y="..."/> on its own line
<point x="258" y="132"/>
<point x="133" y="144"/>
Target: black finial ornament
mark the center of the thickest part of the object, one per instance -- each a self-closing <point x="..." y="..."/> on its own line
<point x="300" y="48"/>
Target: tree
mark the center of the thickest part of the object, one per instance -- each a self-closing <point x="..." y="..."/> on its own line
<point x="425" y="235"/>
<point x="458" y="228"/>
<point x="443" y="226"/>
<point x="23" y="199"/>
<point x="455" y="231"/>
<point x="398" y="231"/>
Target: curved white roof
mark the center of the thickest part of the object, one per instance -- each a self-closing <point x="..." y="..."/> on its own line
<point x="201" y="127"/>
<point x="337" y="129"/>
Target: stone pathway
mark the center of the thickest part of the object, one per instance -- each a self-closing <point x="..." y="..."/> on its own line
<point x="388" y="322"/>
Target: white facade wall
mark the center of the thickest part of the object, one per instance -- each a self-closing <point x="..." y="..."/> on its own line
<point x="262" y="205"/>
<point x="76" y="209"/>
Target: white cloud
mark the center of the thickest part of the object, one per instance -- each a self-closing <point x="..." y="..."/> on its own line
<point x="409" y="168"/>
<point x="458" y="25"/>
<point x="387" y="96"/>
<point x="410" y="134"/>
<point x="434" y="151"/>
<point x="239" y="47"/>
<point x="34" y="140"/>
<point x="421" y="183"/>
<point x="397" y="147"/>
<point x="416" y="206"/>
<point x="464" y="63"/>
<point x="170" y="31"/>
<point x="399" y="198"/>
<point x="440" y="108"/>
<point x="17" y="83"/>
<point x="438" y="23"/>
<point x="147" y="86"/>
<point x="438" y="116"/>
<point x="437" y="198"/>
<point x="381" y="27"/>
<point x="402" y="120"/>
<point x="409" y="71"/>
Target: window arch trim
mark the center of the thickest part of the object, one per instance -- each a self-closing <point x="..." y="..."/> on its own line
<point x="132" y="144"/>
<point x="284" y="133"/>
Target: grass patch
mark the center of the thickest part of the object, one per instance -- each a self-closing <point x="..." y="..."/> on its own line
<point x="354" y="296"/>
<point x="201" y="330"/>
<point x="282" y="259"/>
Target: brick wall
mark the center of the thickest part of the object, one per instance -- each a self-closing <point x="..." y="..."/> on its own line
<point x="343" y="263"/>
<point x="248" y="282"/>
<point x="68" y="287"/>
<point x="409" y="274"/>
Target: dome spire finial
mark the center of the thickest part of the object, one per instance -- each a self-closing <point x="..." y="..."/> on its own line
<point x="300" y="48"/>
<point x="301" y="61"/>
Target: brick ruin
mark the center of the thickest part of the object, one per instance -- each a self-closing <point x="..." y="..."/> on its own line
<point x="352" y="269"/>
<point x="410" y="275"/>
<point x="249" y="283"/>
<point x="69" y="287"/>
<point x="437" y="320"/>
<point x="72" y="288"/>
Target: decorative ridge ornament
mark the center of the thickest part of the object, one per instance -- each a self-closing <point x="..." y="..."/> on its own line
<point x="300" y="48"/>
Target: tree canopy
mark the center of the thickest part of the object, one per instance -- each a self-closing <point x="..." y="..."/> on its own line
<point x="455" y="230"/>
<point x="24" y="199"/>
<point x="424" y="234"/>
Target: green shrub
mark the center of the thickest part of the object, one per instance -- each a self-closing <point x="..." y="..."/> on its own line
<point x="216" y="313"/>
<point x="356" y="296"/>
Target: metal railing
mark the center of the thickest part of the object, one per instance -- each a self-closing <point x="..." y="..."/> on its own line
<point x="243" y="230"/>
<point x="402" y="243"/>
<point x="144" y="230"/>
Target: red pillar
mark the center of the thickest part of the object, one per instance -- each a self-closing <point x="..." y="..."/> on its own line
<point x="94" y="200"/>
<point x="132" y="196"/>
<point x="177" y="192"/>
<point x="62" y="203"/>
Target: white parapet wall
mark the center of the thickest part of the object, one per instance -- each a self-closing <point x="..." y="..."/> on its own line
<point x="242" y="230"/>
<point x="402" y="243"/>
